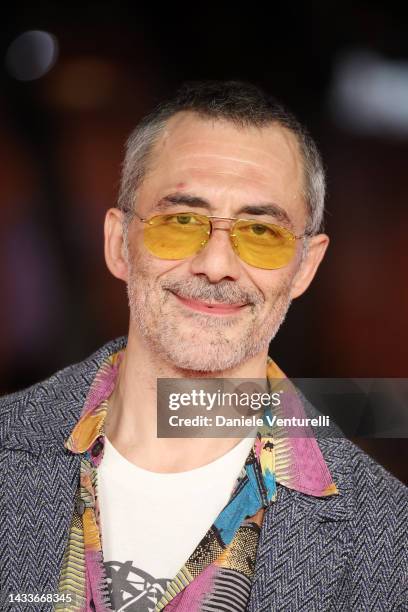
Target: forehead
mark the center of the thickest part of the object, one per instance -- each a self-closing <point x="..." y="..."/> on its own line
<point x="250" y="163"/>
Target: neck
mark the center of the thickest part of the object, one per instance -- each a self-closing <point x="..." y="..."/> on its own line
<point x="131" y="421"/>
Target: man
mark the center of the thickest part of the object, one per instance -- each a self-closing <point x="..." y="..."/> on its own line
<point x="216" y="231"/>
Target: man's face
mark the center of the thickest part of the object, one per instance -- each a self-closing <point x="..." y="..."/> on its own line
<point x="228" y="168"/>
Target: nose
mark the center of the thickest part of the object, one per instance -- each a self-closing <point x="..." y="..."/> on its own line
<point x="217" y="260"/>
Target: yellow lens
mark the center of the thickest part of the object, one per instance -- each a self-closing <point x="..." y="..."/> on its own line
<point x="176" y="236"/>
<point x="263" y="245"/>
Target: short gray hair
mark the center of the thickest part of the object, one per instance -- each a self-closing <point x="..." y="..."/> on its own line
<point x="244" y="105"/>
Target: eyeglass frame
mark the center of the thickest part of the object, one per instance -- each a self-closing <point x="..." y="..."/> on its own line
<point x="235" y="219"/>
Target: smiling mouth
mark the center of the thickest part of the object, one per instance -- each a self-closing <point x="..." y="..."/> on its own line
<point x="210" y="307"/>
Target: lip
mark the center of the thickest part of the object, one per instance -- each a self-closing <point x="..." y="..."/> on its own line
<point x="212" y="309"/>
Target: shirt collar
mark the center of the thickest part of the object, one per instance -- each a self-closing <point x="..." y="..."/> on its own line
<point x="297" y="462"/>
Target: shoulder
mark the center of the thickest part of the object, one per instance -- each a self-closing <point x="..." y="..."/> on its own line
<point x="363" y="477"/>
<point x="354" y="470"/>
<point x="58" y="399"/>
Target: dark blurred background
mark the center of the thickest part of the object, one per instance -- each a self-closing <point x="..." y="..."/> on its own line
<point x="77" y="77"/>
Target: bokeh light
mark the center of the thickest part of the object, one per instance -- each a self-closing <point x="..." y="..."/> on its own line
<point x="31" y="55"/>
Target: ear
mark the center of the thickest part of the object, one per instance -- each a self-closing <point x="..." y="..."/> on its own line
<point x="114" y="244"/>
<point x="315" y="252"/>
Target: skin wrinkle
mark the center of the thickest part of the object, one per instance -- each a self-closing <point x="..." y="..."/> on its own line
<point x="255" y="177"/>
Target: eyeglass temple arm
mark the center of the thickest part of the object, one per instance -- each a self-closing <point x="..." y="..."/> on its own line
<point x="132" y="210"/>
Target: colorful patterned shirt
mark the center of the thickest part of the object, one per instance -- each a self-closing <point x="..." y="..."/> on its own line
<point x="226" y="554"/>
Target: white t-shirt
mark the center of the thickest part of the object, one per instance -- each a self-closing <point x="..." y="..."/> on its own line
<point x="152" y="522"/>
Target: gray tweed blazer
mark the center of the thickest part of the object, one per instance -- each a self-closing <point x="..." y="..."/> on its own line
<point x="343" y="552"/>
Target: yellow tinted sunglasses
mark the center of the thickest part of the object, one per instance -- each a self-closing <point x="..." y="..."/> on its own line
<point x="180" y="235"/>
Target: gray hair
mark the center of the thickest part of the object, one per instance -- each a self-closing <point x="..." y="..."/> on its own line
<point x="241" y="103"/>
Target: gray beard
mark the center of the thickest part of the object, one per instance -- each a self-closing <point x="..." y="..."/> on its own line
<point x="210" y="349"/>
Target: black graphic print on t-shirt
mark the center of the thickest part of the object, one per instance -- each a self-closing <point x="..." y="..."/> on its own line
<point x="132" y="589"/>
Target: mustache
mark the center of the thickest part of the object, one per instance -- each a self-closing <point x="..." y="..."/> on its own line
<point x="227" y="292"/>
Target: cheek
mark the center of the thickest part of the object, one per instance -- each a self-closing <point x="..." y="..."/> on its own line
<point x="150" y="267"/>
<point x="272" y="283"/>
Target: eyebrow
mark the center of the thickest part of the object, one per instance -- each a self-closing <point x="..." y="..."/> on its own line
<point x="262" y="208"/>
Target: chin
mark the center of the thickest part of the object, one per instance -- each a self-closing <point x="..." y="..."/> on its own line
<point x="196" y="367"/>
<point x="200" y="356"/>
